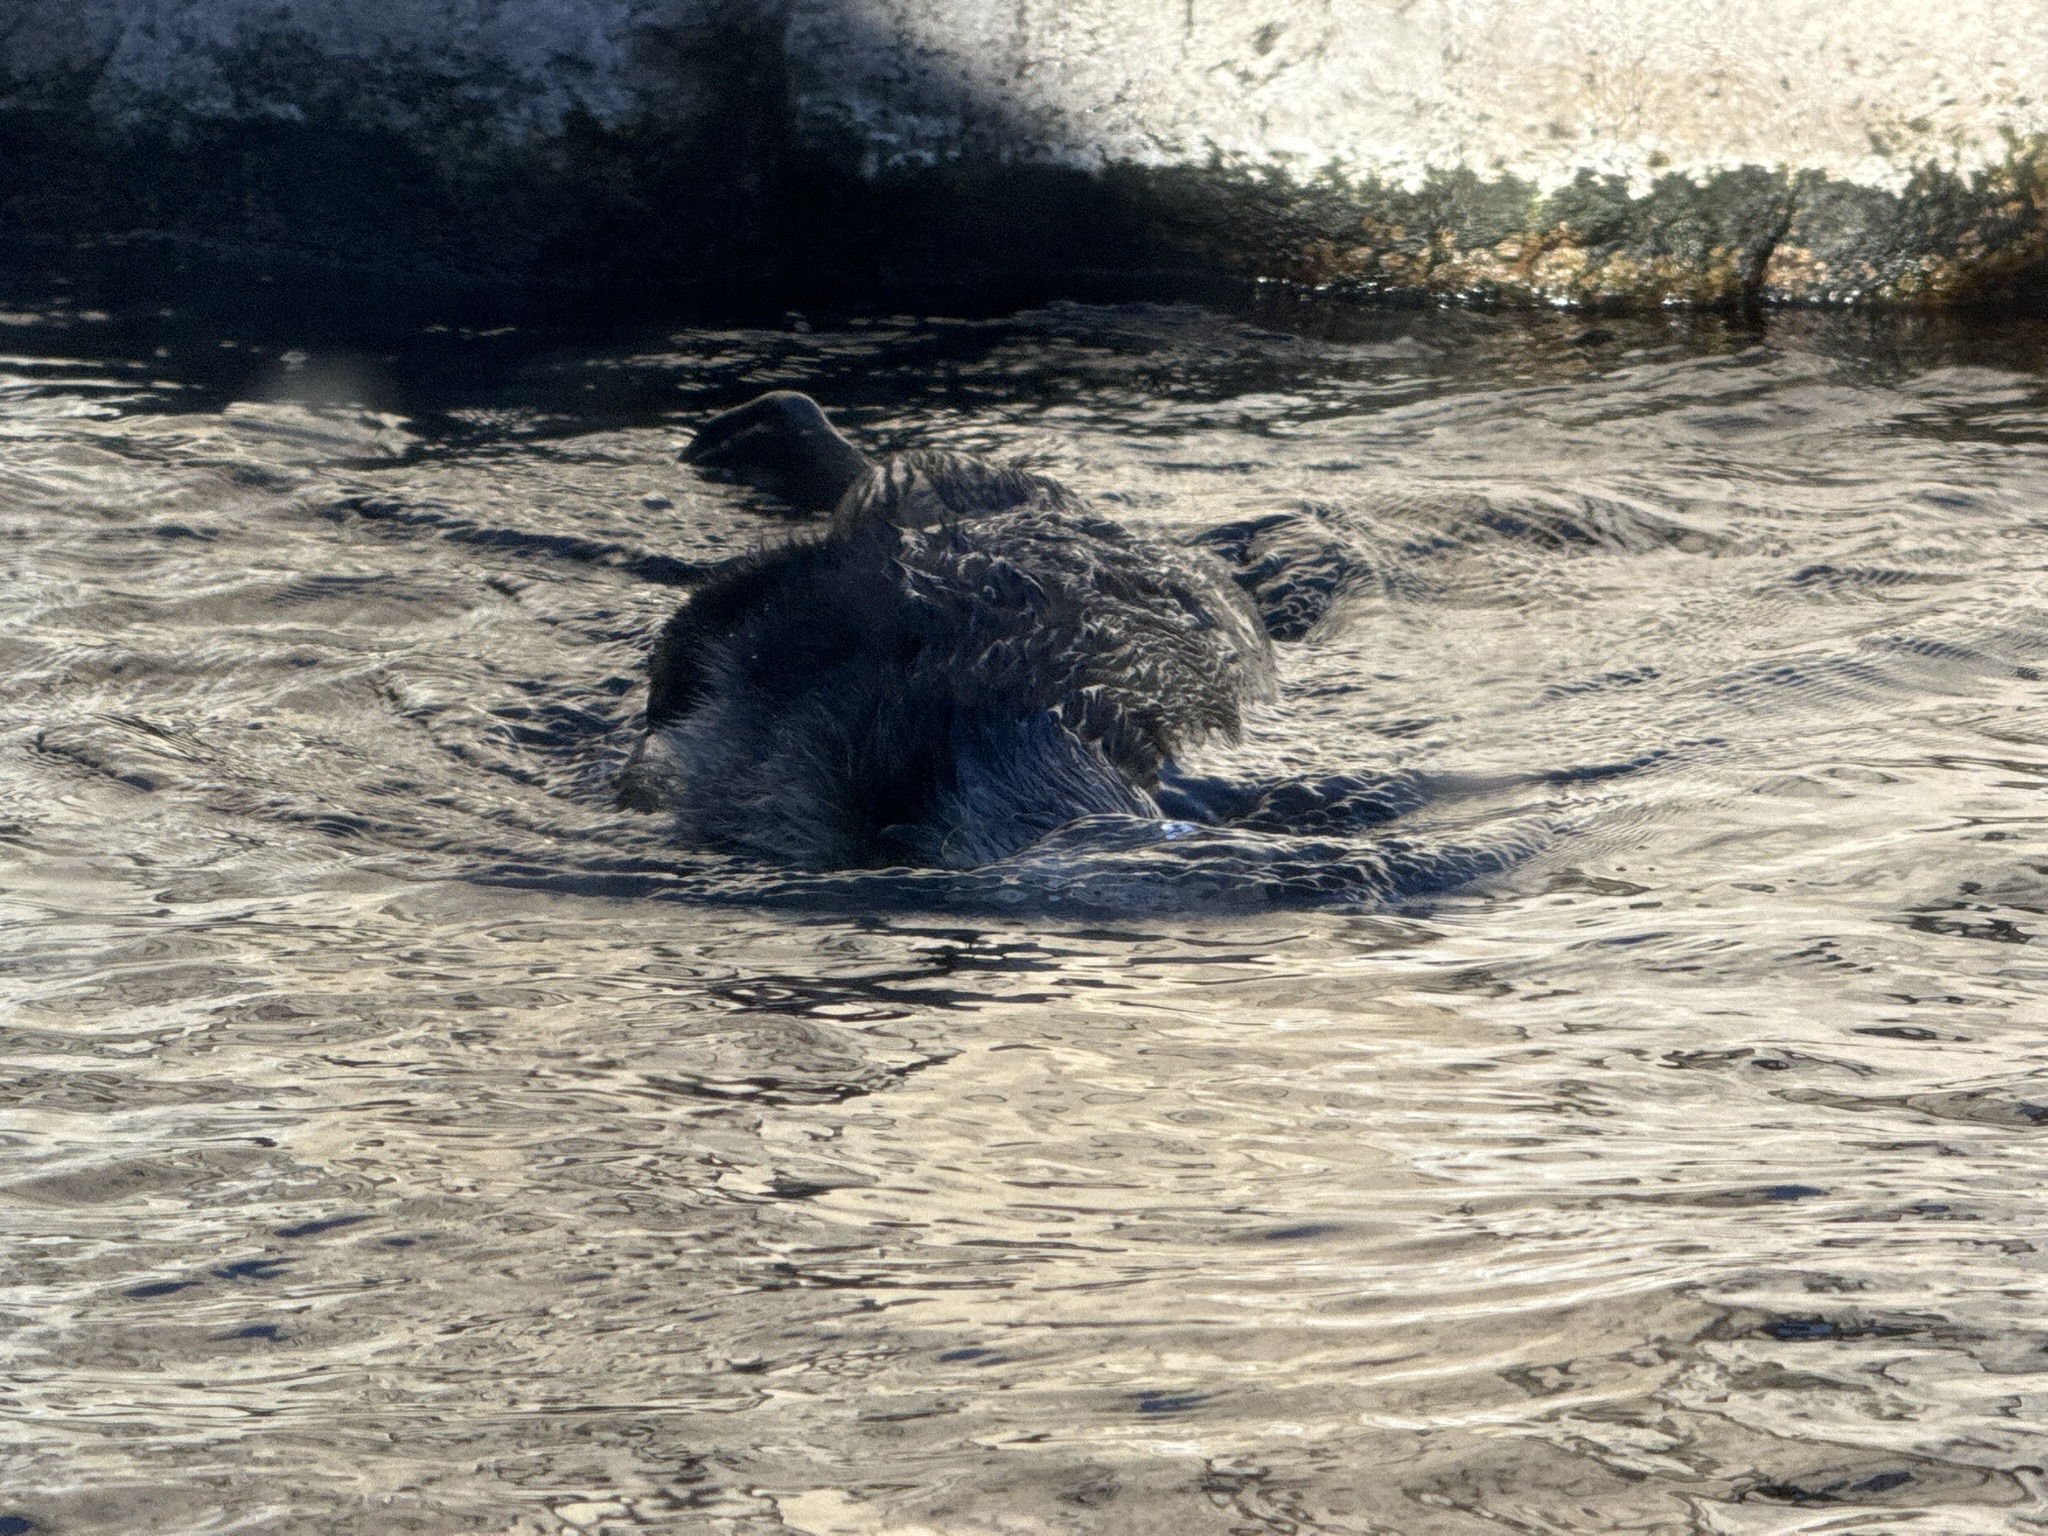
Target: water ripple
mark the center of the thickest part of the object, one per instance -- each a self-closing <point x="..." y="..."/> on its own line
<point x="1594" y="1085"/>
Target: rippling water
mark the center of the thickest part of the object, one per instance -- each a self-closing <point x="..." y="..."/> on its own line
<point x="399" y="1138"/>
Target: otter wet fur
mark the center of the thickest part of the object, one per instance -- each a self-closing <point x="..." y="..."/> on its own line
<point x="964" y="658"/>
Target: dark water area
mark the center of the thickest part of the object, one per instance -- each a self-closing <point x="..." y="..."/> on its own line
<point x="1639" y="1130"/>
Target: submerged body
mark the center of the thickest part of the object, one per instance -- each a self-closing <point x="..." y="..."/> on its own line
<point x="967" y="658"/>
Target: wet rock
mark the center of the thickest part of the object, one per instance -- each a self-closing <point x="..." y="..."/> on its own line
<point x="805" y="149"/>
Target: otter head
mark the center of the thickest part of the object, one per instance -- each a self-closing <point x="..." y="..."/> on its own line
<point x="780" y="443"/>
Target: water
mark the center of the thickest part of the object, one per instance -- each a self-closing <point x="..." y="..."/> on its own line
<point x="399" y="1138"/>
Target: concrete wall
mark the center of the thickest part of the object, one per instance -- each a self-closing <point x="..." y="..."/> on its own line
<point x="1539" y="89"/>
<point x="1624" y="151"/>
<point x="530" y="60"/>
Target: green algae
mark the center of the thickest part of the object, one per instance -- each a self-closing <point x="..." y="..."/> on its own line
<point x="1735" y="238"/>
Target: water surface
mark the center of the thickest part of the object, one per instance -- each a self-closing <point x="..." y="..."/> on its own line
<point x="400" y="1138"/>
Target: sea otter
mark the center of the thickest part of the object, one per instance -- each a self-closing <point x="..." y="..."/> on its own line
<point x="964" y="658"/>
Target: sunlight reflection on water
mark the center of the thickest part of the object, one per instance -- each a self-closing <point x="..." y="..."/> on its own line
<point x="400" y="1138"/>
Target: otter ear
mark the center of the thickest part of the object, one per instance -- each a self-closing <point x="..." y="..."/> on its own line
<point x="780" y="443"/>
